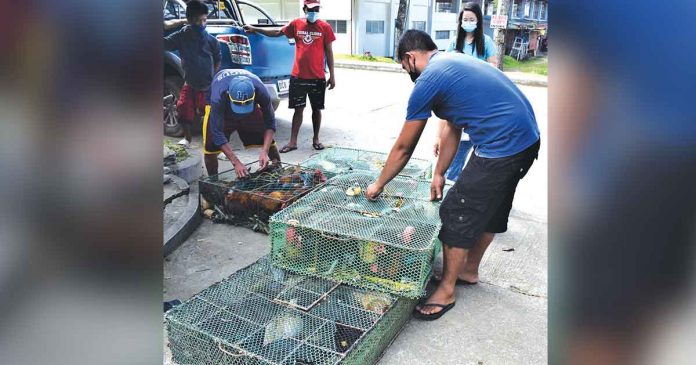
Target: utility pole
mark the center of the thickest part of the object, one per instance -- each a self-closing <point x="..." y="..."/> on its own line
<point x="499" y="34"/>
<point x="400" y="23"/>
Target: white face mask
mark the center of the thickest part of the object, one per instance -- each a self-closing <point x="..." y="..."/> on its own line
<point x="469" y="26"/>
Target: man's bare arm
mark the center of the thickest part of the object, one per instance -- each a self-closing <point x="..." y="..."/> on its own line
<point x="174" y="23"/>
<point x="328" y="49"/>
<point x="399" y="156"/>
<point x="239" y="167"/>
<point x="264" y="31"/>
<point x="449" y="144"/>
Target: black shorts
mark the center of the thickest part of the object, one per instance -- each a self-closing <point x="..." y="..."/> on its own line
<point x="300" y="88"/>
<point x="481" y="198"/>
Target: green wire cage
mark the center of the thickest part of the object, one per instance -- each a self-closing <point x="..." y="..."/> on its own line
<point x="339" y="160"/>
<point x="336" y="233"/>
<point x="251" y="201"/>
<point x="265" y="315"/>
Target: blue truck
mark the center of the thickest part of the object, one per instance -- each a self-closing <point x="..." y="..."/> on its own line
<point x="268" y="58"/>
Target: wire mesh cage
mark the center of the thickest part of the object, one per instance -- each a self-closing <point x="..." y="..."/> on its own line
<point x="250" y="201"/>
<point x="335" y="232"/>
<point x="339" y="160"/>
<point x="265" y="315"/>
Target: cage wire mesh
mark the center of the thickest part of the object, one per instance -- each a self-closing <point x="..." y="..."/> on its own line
<point x="339" y="160"/>
<point x="266" y="315"/>
<point x="335" y="232"/>
<point x="250" y="201"/>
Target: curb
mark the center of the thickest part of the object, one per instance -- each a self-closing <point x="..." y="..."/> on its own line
<point x="190" y="219"/>
<point x="189" y="169"/>
<point x="528" y="82"/>
<point x="370" y="67"/>
<point x="181" y="184"/>
<point x="389" y="68"/>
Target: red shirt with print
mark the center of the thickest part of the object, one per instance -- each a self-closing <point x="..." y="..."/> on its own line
<point x="310" y="40"/>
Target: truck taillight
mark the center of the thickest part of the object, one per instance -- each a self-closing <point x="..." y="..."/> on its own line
<point x="239" y="46"/>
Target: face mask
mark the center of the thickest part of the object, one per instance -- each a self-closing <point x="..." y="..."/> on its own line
<point x="413" y="73"/>
<point x="469" y="26"/>
<point x="199" y="28"/>
<point x="312" y="16"/>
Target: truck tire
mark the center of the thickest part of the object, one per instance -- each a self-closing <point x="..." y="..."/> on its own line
<point x="172" y="86"/>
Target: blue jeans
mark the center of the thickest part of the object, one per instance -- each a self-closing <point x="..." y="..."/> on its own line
<point x="459" y="160"/>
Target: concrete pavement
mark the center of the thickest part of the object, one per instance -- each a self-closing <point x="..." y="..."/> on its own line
<point x="500" y="321"/>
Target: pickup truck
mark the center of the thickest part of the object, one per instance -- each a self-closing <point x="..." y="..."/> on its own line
<point x="268" y="58"/>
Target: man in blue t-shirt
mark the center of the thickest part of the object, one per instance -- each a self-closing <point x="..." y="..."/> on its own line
<point x="239" y="101"/>
<point x="481" y="100"/>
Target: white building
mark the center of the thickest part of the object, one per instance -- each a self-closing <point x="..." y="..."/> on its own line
<point x="368" y="25"/>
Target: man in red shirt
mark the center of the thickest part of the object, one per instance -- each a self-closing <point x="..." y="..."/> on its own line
<point x="313" y="39"/>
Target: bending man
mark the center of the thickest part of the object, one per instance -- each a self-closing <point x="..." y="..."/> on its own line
<point x="239" y="102"/>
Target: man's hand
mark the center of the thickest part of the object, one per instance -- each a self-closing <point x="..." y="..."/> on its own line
<point x="373" y="191"/>
<point x="249" y="28"/>
<point x="332" y="83"/>
<point x="240" y="169"/>
<point x="436" y="187"/>
<point x="263" y="159"/>
<point x="436" y="147"/>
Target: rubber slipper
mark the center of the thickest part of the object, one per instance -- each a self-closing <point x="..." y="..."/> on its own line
<point x="459" y="282"/>
<point x="287" y="149"/>
<point x="434" y="316"/>
<point x="318" y="146"/>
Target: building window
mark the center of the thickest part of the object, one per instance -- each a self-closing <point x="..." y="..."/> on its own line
<point x="374" y="26"/>
<point x="442" y="34"/>
<point x="418" y="26"/>
<point x="544" y="11"/>
<point x="527" y="9"/>
<point x="444" y="6"/>
<point x="489" y="7"/>
<point x="338" y="26"/>
<point x="515" y="8"/>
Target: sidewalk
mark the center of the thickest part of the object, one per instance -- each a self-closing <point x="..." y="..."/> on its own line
<point x="520" y="78"/>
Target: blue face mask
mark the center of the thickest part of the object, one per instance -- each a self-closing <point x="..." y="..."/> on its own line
<point x="469" y="26"/>
<point x="312" y="16"/>
<point x="199" y="28"/>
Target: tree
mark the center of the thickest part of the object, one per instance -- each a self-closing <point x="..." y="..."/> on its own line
<point x="500" y="33"/>
<point x="400" y="23"/>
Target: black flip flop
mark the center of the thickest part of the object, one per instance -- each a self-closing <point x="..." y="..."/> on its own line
<point x="318" y="146"/>
<point x="434" y="316"/>
<point x="287" y="149"/>
<point x="458" y="283"/>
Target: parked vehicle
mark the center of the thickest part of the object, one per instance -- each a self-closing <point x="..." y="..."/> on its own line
<point x="270" y="59"/>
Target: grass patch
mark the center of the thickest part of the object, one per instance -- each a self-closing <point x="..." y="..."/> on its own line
<point x="538" y="65"/>
<point x="369" y="58"/>
<point x="179" y="150"/>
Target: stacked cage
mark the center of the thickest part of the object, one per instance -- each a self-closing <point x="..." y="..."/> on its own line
<point x="336" y="233"/>
<point x="338" y="160"/>
<point x="265" y="315"/>
<point x="250" y="201"/>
